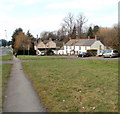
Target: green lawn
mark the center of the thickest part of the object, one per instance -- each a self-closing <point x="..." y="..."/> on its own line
<point x="0" y="88"/>
<point x="75" y="85"/>
<point x="6" y="68"/>
<point x="6" y="58"/>
<point x="4" y="76"/>
<point x="34" y="57"/>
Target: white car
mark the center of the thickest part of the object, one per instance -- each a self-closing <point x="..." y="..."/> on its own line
<point x="101" y="53"/>
<point x="111" y="53"/>
<point x="41" y="53"/>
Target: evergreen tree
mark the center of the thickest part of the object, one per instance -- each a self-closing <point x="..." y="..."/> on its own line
<point x="73" y="35"/>
<point x="29" y="34"/>
<point x="31" y="38"/>
<point x="95" y="29"/>
<point x="90" y="32"/>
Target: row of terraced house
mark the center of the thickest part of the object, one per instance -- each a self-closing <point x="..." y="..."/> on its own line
<point x="72" y="47"/>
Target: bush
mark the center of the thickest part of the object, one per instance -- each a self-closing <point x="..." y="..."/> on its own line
<point x="93" y="52"/>
<point x="25" y="52"/>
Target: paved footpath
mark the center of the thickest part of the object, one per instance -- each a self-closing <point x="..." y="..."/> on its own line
<point x="20" y="96"/>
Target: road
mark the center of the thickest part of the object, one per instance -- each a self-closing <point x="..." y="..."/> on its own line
<point x="99" y="58"/>
<point x="4" y="51"/>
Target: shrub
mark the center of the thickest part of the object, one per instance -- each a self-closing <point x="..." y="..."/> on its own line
<point x="93" y="52"/>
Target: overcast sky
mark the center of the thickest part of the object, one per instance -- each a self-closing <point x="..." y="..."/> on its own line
<point x="47" y="15"/>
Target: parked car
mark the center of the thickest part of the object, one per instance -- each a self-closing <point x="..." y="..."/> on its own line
<point x="41" y="53"/>
<point x="83" y="54"/>
<point x="101" y="53"/>
<point x="49" y="52"/>
<point x="111" y="53"/>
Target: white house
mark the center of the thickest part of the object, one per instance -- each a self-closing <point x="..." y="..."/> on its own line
<point x="61" y="51"/>
<point x="74" y="46"/>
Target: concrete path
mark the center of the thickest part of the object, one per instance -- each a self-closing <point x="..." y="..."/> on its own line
<point x="20" y="95"/>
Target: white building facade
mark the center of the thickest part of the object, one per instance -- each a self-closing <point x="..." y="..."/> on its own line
<point x="75" y="46"/>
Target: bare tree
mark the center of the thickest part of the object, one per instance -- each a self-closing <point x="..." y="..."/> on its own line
<point x="68" y="24"/>
<point x="80" y="21"/>
<point x="62" y="32"/>
<point x="109" y="36"/>
<point x="44" y="35"/>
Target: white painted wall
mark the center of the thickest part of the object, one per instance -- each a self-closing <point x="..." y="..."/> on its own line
<point x="99" y="46"/>
<point x="82" y="48"/>
<point x="77" y="49"/>
<point x="72" y="47"/>
<point x="88" y="47"/>
<point x="65" y="50"/>
<point x="61" y="52"/>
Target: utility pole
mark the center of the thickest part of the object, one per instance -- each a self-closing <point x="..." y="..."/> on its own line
<point x="6" y="36"/>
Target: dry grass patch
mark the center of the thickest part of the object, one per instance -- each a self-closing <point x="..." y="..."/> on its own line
<point x="75" y="85"/>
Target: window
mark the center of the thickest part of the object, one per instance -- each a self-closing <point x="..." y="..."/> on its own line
<point x="115" y="51"/>
<point x="79" y="47"/>
<point x="108" y="51"/>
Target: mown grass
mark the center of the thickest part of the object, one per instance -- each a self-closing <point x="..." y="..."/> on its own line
<point x="35" y="57"/>
<point x="75" y="85"/>
<point x="6" y="57"/>
<point x="4" y="76"/>
<point x="0" y="88"/>
<point x="6" y="68"/>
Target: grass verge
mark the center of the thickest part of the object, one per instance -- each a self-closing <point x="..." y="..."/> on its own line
<point x="4" y="76"/>
<point x="6" y="68"/>
<point x="75" y="85"/>
<point x="6" y="57"/>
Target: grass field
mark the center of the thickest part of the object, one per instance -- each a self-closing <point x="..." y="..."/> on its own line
<point x="75" y="85"/>
<point x="6" y="68"/>
<point x="0" y="88"/>
<point x="34" y="57"/>
<point x="4" y="76"/>
<point x="6" y="58"/>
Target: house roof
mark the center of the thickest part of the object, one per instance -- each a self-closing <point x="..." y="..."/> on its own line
<point x="45" y="41"/>
<point x="80" y="42"/>
<point x="85" y="42"/>
<point x="58" y="43"/>
<point x="71" y="42"/>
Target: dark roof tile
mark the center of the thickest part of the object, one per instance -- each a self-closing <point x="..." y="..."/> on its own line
<point x="80" y="42"/>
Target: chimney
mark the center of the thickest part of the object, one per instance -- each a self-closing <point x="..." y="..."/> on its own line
<point x="95" y="37"/>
